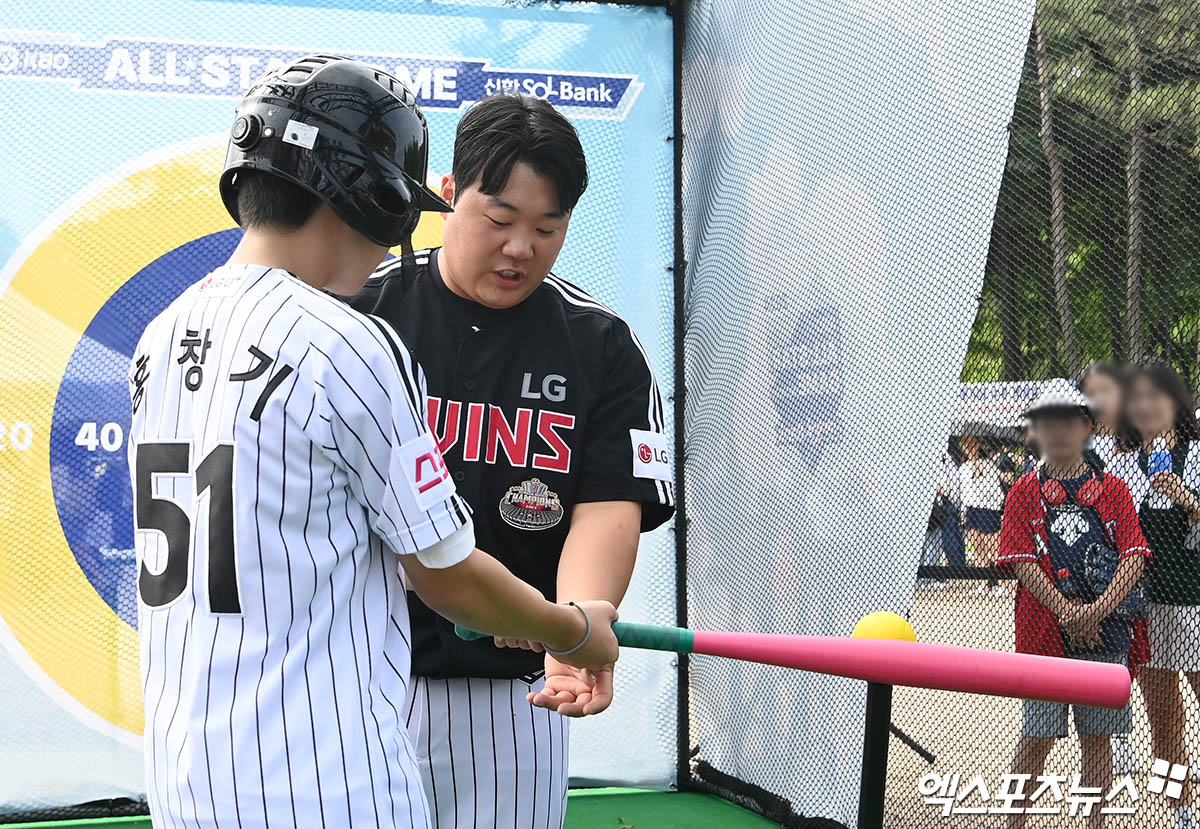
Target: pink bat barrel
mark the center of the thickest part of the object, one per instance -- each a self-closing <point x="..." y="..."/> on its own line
<point x="927" y="665"/>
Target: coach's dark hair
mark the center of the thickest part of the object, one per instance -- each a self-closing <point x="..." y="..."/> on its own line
<point x="1163" y="377"/>
<point x="505" y="129"/>
<point x="268" y="201"/>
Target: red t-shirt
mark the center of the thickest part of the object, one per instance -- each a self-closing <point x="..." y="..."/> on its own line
<point x="1023" y="538"/>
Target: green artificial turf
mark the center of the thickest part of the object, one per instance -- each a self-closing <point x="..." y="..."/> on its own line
<point x="589" y="809"/>
<point x="641" y="809"/>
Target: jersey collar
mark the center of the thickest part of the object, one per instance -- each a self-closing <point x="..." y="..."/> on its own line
<point x="472" y="313"/>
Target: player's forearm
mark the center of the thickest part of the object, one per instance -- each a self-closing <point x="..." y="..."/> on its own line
<point x="600" y="551"/>
<point x="1038" y="583"/>
<point x="1128" y="572"/>
<point x="481" y="594"/>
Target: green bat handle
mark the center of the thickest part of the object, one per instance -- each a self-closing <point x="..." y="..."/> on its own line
<point x="629" y="635"/>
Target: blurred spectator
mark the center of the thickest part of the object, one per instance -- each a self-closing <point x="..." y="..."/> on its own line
<point x="1007" y="466"/>
<point x="943" y="520"/>
<point x="949" y="492"/>
<point x="1100" y="382"/>
<point x="1054" y="516"/>
<point x="982" y="499"/>
<point x="1159" y="458"/>
<point x="1033" y="452"/>
<point x="931" y="548"/>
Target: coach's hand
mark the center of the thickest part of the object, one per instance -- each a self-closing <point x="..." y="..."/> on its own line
<point x="574" y="692"/>
<point x="1171" y="485"/>
<point x="600" y="648"/>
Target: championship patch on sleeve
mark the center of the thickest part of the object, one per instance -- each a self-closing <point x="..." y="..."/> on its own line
<point x="425" y="472"/>
<point x="650" y="456"/>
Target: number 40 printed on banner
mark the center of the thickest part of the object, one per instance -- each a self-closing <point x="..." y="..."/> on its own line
<point x="108" y="436"/>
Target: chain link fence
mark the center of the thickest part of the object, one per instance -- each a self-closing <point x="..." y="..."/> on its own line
<point x="817" y="212"/>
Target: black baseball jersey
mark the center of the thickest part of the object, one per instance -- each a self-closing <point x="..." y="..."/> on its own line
<point x="536" y="408"/>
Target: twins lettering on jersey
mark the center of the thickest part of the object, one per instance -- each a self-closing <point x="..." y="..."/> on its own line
<point x="536" y="439"/>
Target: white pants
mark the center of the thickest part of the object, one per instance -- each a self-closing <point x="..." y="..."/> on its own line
<point x="487" y="757"/>
<point x="1174" y="637"/>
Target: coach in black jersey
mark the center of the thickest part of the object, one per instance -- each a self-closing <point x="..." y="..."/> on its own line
<point x="549" y="417"/>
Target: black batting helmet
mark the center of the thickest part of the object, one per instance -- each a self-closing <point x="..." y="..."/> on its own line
<point x="349" y="133"/>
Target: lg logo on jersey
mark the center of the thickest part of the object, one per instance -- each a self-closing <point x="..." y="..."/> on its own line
<point x="657" y="454"/>
<point x="650" y="456"/>
<point x="554" y="388"/>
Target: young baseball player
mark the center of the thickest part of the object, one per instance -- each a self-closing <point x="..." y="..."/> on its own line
<point x="1066" y="525"/>
<point x="282" y="470"/>
<point x="549" y="417"/>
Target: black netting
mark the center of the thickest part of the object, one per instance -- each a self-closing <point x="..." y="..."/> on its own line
<point x="115" y="807"/>
<point x="862" y="331"/>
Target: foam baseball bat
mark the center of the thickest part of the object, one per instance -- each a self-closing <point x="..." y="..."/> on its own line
<point x="894" y="662"/>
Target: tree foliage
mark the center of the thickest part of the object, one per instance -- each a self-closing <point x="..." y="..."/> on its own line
<point x="1121" y="73"/>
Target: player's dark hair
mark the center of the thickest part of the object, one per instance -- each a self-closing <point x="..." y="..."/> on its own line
<point x="1163" y="377"/>
<point x="268" y="201"/>
<point x="505" y="129"/>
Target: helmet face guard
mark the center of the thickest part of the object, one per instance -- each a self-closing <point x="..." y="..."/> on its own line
<point x="346" y="132"/>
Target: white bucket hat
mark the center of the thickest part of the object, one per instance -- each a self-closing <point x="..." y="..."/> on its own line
<point x="1060" y="395"/>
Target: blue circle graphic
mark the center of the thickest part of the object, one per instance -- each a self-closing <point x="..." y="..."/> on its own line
<point x="89" y="472"/>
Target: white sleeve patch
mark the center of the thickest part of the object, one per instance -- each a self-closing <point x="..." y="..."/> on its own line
<point x="650" y="456"/>
<point x="425" y="472"/>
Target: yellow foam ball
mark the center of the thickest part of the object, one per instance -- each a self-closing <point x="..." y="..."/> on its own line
<point x="883" y="624"/>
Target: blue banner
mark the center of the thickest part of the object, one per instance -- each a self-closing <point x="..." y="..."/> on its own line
<point x="166" y="67"/>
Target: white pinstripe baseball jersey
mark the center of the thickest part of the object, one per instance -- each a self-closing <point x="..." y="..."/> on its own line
<point x="276" y="451"/>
